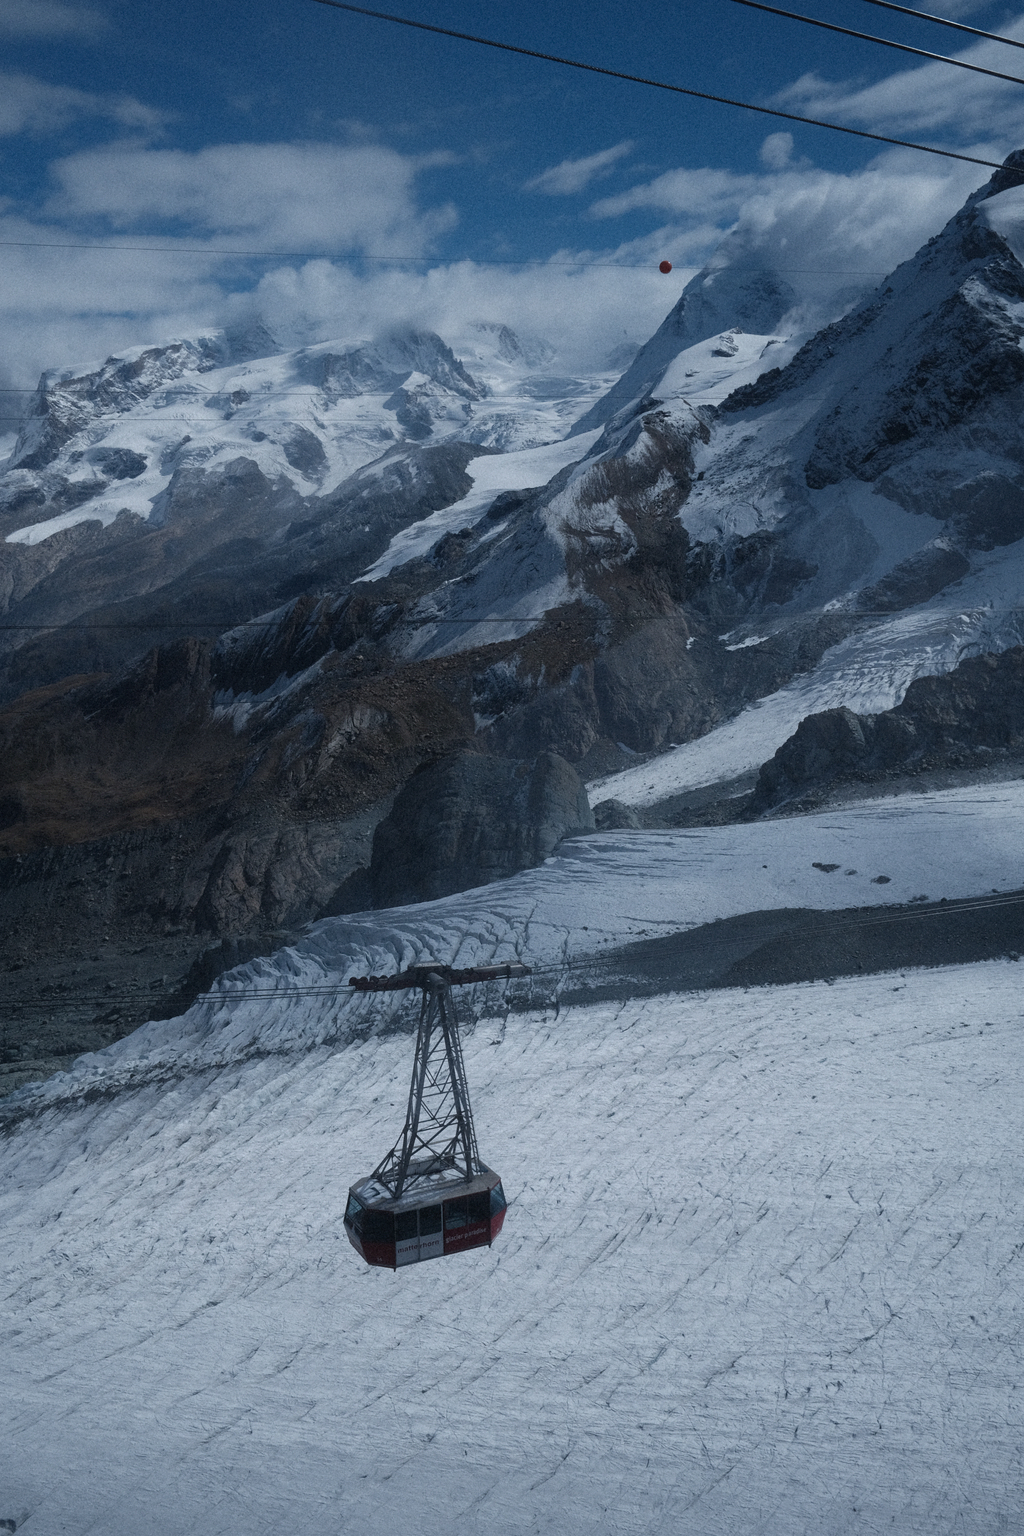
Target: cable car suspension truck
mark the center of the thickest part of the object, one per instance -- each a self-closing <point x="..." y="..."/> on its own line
<point x="431" y="1196"/>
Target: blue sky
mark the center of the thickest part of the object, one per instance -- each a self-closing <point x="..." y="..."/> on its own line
<point x="287" y="127"/>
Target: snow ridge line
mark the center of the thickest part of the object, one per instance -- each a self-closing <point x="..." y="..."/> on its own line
<point x="29" y="1104"/>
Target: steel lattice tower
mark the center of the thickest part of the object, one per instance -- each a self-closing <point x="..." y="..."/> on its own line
<point x="438" y="1133"/>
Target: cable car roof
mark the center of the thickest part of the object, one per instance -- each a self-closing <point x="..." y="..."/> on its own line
<point x="445" y="1185"/>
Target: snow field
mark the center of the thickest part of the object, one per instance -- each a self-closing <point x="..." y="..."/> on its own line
<point x="596" y="893"/>
<point x="491" y="474"/>
<point x="760" y="1273"/>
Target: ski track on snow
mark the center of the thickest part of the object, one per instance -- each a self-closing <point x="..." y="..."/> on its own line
<point x="760" y="1272"/>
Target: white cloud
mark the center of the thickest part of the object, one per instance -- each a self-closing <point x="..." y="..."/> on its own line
<point x="28" y="105"/>
<point x="870" y="218"/>
<point x="982" y="115"/>
<point x="777" y="151"/>
<point x="832" y="235"/>
<point x="571" y="176"/>
<point x="581" y="311"/>
<point x="835" y="236"/>
<point x="66" y="307"/>
<point x="692" y="193"/>
<point x="957" y="9"/>
<point x="306" y="197"/>
<point x="48" y="18"/>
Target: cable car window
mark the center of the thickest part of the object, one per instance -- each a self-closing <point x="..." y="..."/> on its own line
<point x="353" y="1214"/>
<point x="498" y="1201"/>
<point x="479" y="1207"/>
<point x="378" y="1227"/>
<point x="455" y="1214"/>
<point x="405" y="1225"/>
<point x="430" y="1220"/>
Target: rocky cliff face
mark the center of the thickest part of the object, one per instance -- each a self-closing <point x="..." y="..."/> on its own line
<point x="973" y="717"/>
<point x="471" y="819"/>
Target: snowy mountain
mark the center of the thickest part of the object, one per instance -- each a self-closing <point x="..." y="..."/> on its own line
<point x="720" y="298"/>
<point x="109" y="441"/>
<point x="127" y="480"/>
<point x="755" y="1106"/>
<point x="779" y="530"/>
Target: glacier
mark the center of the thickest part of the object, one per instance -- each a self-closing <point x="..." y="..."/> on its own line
<point x="759" y="1269"/>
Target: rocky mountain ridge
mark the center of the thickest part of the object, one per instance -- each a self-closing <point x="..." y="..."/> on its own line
<point x="184" y="484"/>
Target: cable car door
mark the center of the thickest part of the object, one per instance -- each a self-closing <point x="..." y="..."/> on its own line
<point x="418" y="1235"/>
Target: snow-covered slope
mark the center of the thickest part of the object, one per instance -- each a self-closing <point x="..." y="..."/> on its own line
<point x="721" y="297"/>
<point x="108" y="441"/>
<point x="867" y="672"/>
<point x="759" y="1267"/>
<point x="596" y="894"/>
<point x="516" y="470"/>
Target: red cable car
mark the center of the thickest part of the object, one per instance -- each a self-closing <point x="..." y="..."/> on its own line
<point x="431" y="1196"/>
<point x="389" y="1232"/>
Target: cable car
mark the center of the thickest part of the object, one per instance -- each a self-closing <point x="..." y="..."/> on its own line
<point x="431" y="1196"/>
<point x="424" y="1225"/>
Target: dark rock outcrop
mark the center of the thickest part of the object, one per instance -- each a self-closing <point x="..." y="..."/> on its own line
<point x="962" y="719"/>
<point x="613" y="816"/>
<point x="469" y="820"/>
<point x="915" y="579"/>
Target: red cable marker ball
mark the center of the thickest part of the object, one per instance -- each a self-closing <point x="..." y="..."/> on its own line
<point x="665" y="266"/>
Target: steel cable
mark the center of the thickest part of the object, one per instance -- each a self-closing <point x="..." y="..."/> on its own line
<point x="661" y="85"/>
<point x="944" y="21"/>
<point x="869" y="37"/>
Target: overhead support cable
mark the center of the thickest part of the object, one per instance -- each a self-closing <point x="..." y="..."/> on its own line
<point x="378" y="261"/>
<point x="423" y="619"/>
<point x="944" y="21"/>
<point x="866" y="918"/>
<point x="661" y="85"/>
<point x="869" y="37"/>
<point x="370" y="261"/>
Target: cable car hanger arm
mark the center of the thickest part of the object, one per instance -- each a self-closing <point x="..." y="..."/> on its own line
<point x="427" y="976"/>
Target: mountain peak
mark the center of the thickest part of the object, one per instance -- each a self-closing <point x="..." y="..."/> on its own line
<point x="1010" y="174"/>
<point x="720" y="297"/>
